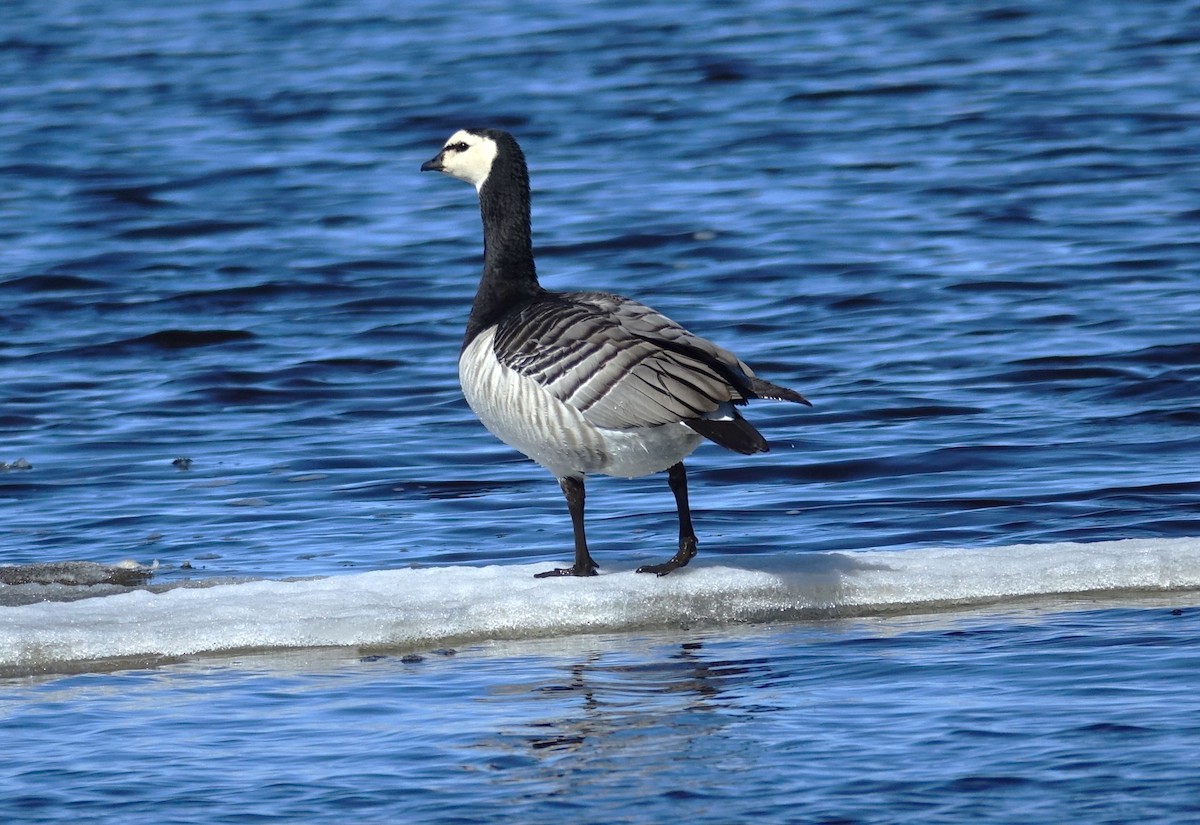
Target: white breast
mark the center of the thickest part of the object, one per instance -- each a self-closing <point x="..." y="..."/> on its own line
<point x="517" y="410"/>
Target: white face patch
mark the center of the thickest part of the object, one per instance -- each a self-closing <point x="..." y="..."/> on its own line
<point x="468" y="157"/>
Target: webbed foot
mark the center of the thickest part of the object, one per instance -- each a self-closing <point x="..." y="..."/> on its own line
<point x="576" y="570"/>
<point x="687" y="552"/>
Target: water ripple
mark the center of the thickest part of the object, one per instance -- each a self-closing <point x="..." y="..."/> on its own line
<point x="967" y="232"/>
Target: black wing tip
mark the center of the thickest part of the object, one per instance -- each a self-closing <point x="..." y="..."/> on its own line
<point x="791" y="396"/>
<point x="765" y="389"/>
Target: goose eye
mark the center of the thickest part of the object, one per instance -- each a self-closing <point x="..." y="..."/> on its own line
<point x="458" y="147"/>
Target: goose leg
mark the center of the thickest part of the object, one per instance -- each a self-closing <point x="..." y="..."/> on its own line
<point x="677" y="478"/>
<point x="584" y="566"/>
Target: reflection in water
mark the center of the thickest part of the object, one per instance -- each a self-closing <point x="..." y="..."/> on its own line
<point x="678" y="704"/>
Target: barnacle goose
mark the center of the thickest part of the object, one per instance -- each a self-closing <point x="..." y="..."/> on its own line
<point x="586" y="382"/>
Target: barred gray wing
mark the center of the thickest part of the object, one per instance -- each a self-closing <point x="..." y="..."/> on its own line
<point x="619" y="362"/>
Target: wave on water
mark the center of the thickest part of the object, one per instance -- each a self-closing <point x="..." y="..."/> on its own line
<point x="428" y="607"/>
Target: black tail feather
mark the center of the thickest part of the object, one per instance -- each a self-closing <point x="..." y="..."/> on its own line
<point x="735" y="434"/>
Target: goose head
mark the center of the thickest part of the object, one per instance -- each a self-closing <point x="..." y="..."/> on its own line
<point x="468" y="155"/>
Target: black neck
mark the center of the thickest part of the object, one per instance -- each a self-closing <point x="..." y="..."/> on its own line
<point x="509" y="277"/>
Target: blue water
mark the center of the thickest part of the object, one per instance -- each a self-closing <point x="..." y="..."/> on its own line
<point x="967" y="231"/>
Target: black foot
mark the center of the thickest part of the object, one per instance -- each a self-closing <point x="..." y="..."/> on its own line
<point x="586" y="570"/>
<point x="687" y="552"/>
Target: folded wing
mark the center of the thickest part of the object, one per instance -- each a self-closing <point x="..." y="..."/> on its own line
<point x="624" y="366"/>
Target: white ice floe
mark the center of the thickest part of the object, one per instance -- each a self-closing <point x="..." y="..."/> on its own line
<point x="434" y="606"/>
